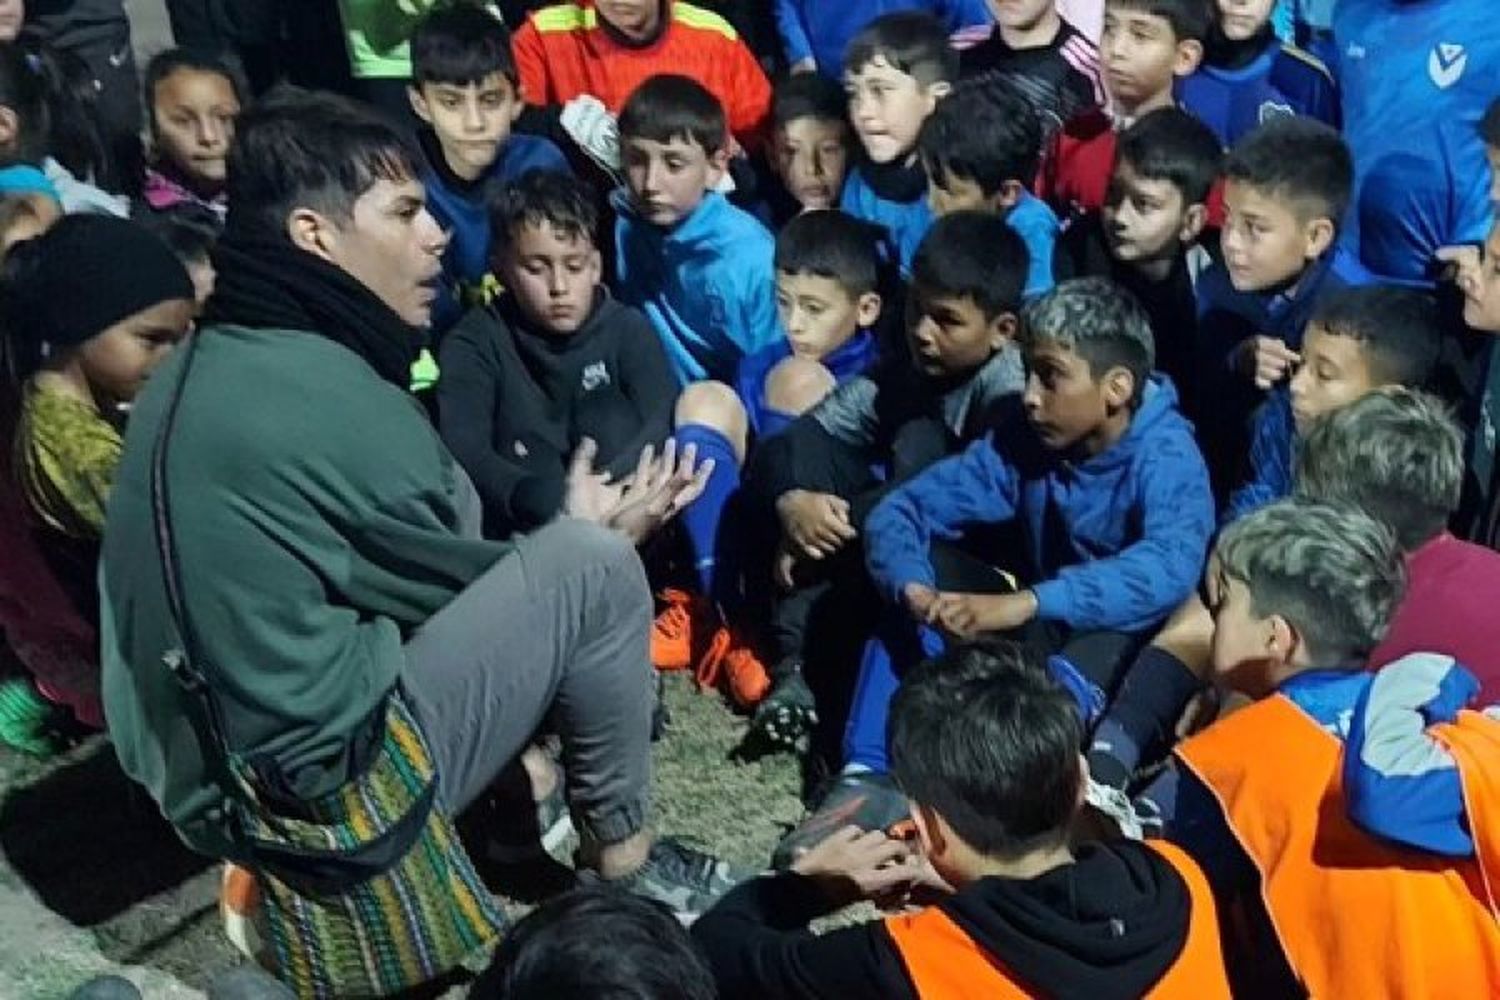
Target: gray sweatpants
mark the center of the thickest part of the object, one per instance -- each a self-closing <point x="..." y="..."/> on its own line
<point x="558" y="630"/>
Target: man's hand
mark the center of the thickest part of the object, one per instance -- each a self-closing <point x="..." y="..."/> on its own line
<point x="640" y="504"/>
<point x="589" y="495"/>
<point x="816" y="524"/>
<point x="966" y="616"/>
<point x="853" y="864"/>
<point x="1266" y="360"/>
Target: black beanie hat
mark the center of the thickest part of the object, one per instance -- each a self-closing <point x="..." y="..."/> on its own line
<point x="84" y="275"/>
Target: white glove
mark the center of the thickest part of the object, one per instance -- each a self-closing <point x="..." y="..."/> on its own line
<point x="593" y="129"/>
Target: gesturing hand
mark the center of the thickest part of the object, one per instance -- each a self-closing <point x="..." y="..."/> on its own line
<point x="640" y="504"/>
<point x="1266" y="360"/>
<point x="853" y="864"/>
<point x="817" y="524"/>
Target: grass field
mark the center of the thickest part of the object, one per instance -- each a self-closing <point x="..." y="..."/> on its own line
<point x="92" y="880"/>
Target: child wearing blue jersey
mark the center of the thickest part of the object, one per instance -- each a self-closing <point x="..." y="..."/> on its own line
<point x="980" y="150"/>
<point x="466" y="90"/>
<point x="1249" y="76"/>
<point x="895" y="71"/>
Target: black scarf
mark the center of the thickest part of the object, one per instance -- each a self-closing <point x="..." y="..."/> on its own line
<point x="266" y="282"/>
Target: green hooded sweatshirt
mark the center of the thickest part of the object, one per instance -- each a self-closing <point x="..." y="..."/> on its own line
<point x="319" y="521"/>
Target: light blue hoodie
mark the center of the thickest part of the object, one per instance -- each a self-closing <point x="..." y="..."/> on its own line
<point x="708" y="284"/>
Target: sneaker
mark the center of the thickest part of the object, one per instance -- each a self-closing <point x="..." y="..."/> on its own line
<point x="1136" y="819"/>
<point x="789" y="714"/>
<point x="672" y="632"/>
<point x="685" y="880"/>
<point x="740" y="670"/>
<point x="867" y="800"/>
<point x="544" y="831"/>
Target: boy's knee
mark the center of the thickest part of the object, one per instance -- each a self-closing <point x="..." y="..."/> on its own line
<point x="796" y="385"/>
<point x="716" y="406"/>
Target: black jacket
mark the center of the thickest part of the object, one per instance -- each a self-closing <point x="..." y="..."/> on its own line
<point x="514" y="403"/>
<point x="1106" y="927"/>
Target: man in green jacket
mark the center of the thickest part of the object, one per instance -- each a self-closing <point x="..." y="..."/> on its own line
<point x="328" y="542"/>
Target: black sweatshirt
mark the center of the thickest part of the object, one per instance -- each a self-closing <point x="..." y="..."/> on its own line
<point x="514" y="402"/>
<point x="1107" y="926"/>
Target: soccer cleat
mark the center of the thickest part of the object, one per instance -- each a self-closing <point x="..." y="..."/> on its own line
<point x="741" y="672"/>
<point x="865" y="800"/>
<point x="685" y="880"/>
<point x="789" y="713"/>
<point x="672" y="632"/>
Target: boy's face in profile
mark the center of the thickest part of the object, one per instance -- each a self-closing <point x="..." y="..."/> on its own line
<point x="888" y="108"/>
<point x="1141" y="55"/>
<point x="667" y="180"/>
<point x="1267" y="242"/>
<point x="472" y="120"/>
<point x="948" y="193"/>
<point x="1242" y="19"/>
<point x="819" y="314"/>
<point x="812" y="157"/>
<point x="949" y="335"/>
<point x="1145" y="219"/>
<point x="1335" y="371"/>
<point x="1250" y="653"/>
<point x="1064" y="402"/>
<point x="554" y="275"/>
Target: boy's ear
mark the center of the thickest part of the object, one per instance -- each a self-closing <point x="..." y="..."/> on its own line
<point x="938" y="90"/>
<point x="310" y="231"/>
<point x="718" y="165"/>
<point x="1002" y="330"/>
<point x="419" y="104"/>
<point x="1318" y="235"/>
<point x="1119" y="387"/>
<point x="930" y="829"/>
<point x="1189" y="57"/>
<point x="867" y="309"/>
<point x="1193" y="222"/>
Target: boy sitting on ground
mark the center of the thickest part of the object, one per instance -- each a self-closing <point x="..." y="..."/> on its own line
<point x="1113" y="514"/>
<point x="1249" y="76"/>
<point x="811" y="146"/>
<point x="985" y="746"/>
<point x="1146" y="237"/>
<point x="1360" y="863"/>
<point x="816" y="482"/>
<point x="1358" y="339"/>
<point x="1148" y="45"/>
<point x="552" y="363"/>
<point x="895" y="71"/>
<point x="828" y="299"/>
<point x="1287" y="186"/>
<point x="979" y="151"/>
<point x="465" y="89"/>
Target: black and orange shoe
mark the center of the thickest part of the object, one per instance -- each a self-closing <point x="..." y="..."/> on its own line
<point x="865" y="800"/>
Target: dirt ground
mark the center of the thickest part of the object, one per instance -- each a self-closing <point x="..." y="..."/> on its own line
<point x="92" y="880"/>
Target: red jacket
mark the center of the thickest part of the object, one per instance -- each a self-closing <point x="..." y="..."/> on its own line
<point x="567" y="50"/>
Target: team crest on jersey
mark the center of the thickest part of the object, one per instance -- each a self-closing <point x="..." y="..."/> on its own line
<point x="1446" y="64"/>
<point x="1272" y="110"/>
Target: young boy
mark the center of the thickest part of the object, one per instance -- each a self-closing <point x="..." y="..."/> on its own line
<point x="550" y="363"/>
<point x="1398" y="456"/>
<point x="1249" y="76"/>
<point x="1357" y="339"/>
<point x="1355" y="858"/>
<point x="1478" y="279"/>
<point x="979" y="150"/>
<point x="895" y="72"/>
<point x="465" y="89"/>
<point x="816" y="482"/>
<point x="985" y="746"/>
<point x="1113" y="514"/>
<point x="697" y="266"/>
<point x="1049" y="61"/>
<point x="827" y="299"/>
<point x="1146" y="235"/>
<point x="1287" y="186"/>
<point x="815" y="34"/>
<point x="1147" y="46"/>
<point x="810" y="147"/>
<point x="606" y="50"/>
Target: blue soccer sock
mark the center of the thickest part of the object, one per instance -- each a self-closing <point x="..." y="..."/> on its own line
<point x="703" y="520"/>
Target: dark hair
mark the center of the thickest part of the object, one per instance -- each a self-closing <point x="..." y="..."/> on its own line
<point x="1489" y="125"/>
<point x="191" y="230"/>
<point x="1399" y="329"/>
<point x="1191" y="20"/>
<point x="165" y="64"/>
<point x="1170" y="145"/>
<point x="593" y="943"/>
<point x="984" y="132"/>
<point x="550" y="196"/>
<point x="986" y="738"/>
<point x="831" y="245"/>
<point x="974" y="255"/>
<point x="809" y="95"/>
<point x="1296" y="160"/>
<point x="1100" y="322"/>
<point x="299" y="148"/>
<point x="461" y="43"/>
<point x="668" y="106"/>
<point x="912" y="41"/>
<point x="53" y="96"/>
